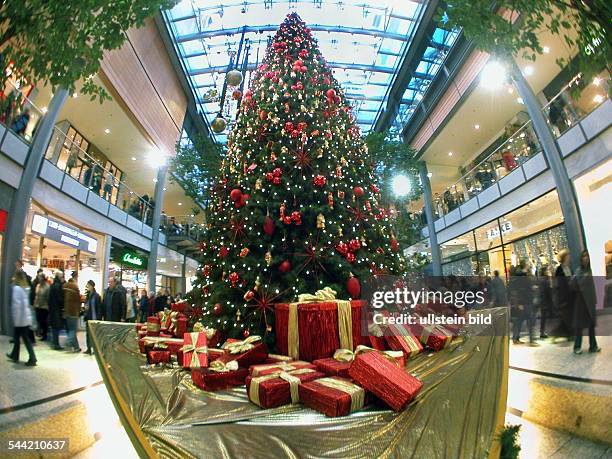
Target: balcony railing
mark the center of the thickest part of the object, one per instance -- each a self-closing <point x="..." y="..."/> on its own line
<point x="181" y="230"/>
<point x="22" y="119"/>
<point x="562" y="112"/>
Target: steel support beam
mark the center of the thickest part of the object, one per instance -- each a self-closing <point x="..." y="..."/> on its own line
<point x="20" y="204"/>
<point x="436" y="257"/>
<point x="565" y="190"/>
<point x="162" y="172"/>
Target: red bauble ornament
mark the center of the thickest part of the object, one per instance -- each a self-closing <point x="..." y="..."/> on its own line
<point x="354" y="245"/>
<point x="394" y="245"/>
<point x="296" y="217"/>
<point x="353" y="287"/>
<point x="243" y="199"/>
<point x="269" y="176"/>
<point x="288" y="126"/>
<point x="234" y="278"/>
<point x="331" y="93"/>
<point x="268" y="226"/>
<point x="358" y="191"/>
<point x="284" y="267"/>
<point x="217" y="309"/>
<point x="351" y="258"/>
<point x="249" y="295"/>
<point x="319" y="180"/>
<point x="246" y="333"/>
<point x="276" y="180"/>
<point x="287" y="220"/>
<point x="303" y="69"/>
<point x="223" y="252"/>
<point x="236" y="194"/>
<point x="277" y="172"/>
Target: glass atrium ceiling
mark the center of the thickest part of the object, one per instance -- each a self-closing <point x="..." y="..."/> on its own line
<point x="362" y="41"/>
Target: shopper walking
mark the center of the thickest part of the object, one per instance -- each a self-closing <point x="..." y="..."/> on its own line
<point x="564" y="296"/>
<point x="584" y="306"/>
<point x="545" y="299"/>
<point x="131" y="305"/>
<point x="41" y="305"/>
<point x="521" y="299"/>
<point x="22" y="319"/>
<point x="56" y="309"/>
<point x="143" y="306"/>
<point x="497" y="291"/>
<point x="72" y="311"/>
<point x="114" y="301"/>
<point x="93" y="310"/>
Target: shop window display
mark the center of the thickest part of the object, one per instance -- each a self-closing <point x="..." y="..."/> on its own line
<point x="458" y="248"/>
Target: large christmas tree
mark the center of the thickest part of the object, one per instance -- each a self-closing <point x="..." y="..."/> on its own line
<point x="296" y="206"/>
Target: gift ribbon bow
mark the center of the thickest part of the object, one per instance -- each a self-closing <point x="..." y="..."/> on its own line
<point x="238" y="347"/>
<point x="220" y="367"/>
<point x="256" y="370"/>
<point x="346" y="355"/>
<point x="375" y="330"/>
<point x="356" y="393"/>
<point x="163" y="316"/>
<point x="289" y="376"/>
<point x="345" y="320"/>
<point x="195" y="350"/>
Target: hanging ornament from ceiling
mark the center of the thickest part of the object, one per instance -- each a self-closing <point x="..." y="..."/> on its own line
<point x="218" y="125"/>
<point x="233" y="77"/>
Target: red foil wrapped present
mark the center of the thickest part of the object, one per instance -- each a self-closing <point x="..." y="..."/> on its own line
<point x="180" y="306"/>
<point x="153" y="326"/>
<point x="435" y="337"/>
<point x="333" y="367"/>
<point x="150" y="342"/>
<point x="373" y="372"/>
<point x="340" y="363"/>
<point x="142" y="334"/>
<point x="377" y="338"/>
<point x="332" y="396"/>
<point x="277" y="389"/>
<point x="247" y="352"/>
<point x="400" y="338"/>
<point x="266" y="369"/>
<point x="219" y="376"/>
<point x="214" y="354"/>
<point x="156" y="356"/>
<point x="316" y="325"/>
<point x="212" y="335"/>
<point x="277" y="358"/>
<point x="195" y="350"/>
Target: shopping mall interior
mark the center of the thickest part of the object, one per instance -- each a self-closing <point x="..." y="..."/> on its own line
<point x="236" y="139"/>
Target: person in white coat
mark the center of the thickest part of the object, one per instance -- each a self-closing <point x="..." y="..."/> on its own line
<point x="22" y="318"/>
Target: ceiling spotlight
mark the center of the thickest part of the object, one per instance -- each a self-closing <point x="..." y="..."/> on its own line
<point x="165" y="188"/>
<point x="44" y="109"/>
<point x="156" y="158"/>
<point x="545" y="49"/>
<point x="528" y="71"/>
<point x="429" y="175"/>
<point x="450" y="153"/>
<point x="107" y="131"/>
<point x="598" y="99"/>
<point x="74" y="95"/>
<point x="493" y="75"/>
<point x="477" y="126"/>
<point x="400" y="185"/>
<point x="520" y="100"/>
<point x="180" y="203"/>
<point x="596" y="81"/>
<point x="133" y="158"/>
<point x="510" y="89"/>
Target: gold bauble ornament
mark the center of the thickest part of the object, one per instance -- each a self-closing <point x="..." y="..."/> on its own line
<point x="320" y="221"/>
<point x="268" y="258"/>
<point x="233" y="77"/>
<point x="218" y="125"/>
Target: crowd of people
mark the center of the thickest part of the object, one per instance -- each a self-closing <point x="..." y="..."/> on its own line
<point x="42" y="308"/>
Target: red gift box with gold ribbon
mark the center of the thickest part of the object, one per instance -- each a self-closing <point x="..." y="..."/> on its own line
<point x="219" y="376"/>
<point x="280" y="388"/>
<point x="376" y="374"/>
<point x="268" y="368"/>
<point x="400" y="338"/>
<point x="247" y="352"/>
<point x="340" y="363"/>
<point x="316" y="325"/>
<point x="153" y="326"/>
<point x="435" y="337"/>
<point x="332" y="396"/>
<point x="195" y="350"/>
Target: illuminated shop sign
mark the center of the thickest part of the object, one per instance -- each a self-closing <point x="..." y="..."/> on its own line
<point x="63" y="233"/>
<point x="134" y="260"/>
<point x="493" y="233"/>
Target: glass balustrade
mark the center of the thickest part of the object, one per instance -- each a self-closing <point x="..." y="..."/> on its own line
<point x="182" y="227"/>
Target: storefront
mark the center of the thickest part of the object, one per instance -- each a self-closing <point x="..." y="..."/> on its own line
<point x="593" y="190"/>
<point x="129" y="264"/>
<point x="52" y="243"/>
<point x="170" y="273"/>
<point x="534" y="232"/>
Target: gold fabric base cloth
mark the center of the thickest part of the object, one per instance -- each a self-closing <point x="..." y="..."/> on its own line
<point x="458" y="413"/>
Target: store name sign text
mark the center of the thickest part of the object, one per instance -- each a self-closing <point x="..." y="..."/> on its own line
<point x="60" y="232"/>
<point x="493" y="233"/>
<point x="132" y="259"/>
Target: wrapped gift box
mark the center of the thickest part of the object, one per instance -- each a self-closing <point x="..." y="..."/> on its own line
<point x="142" y="334"/>
<point x="400" y="338"/>
<point x="195" y="350"/>
<point x="373" y="372"/>
<point x="213" y="336"/>
<point x="219" y="376"/>
<point x="268" y="368"/>
<point x="177" y="324"/>
<point x="312" y="329"/>
<point x="214" y="354"/>
<point x="247" y="352"/>
<point x="153" y="326"/>
<point x="377" y="337"/>
<point x="181" y="306"/>
<point x="333" y="367"/>
<point x="277" y="389"/>
<point x="277" y="358"/>
<point x="435" y="337"/>
<point x="156" y="356"/>
<point x="149" y="342"/>
<point x="332" y="396"/>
